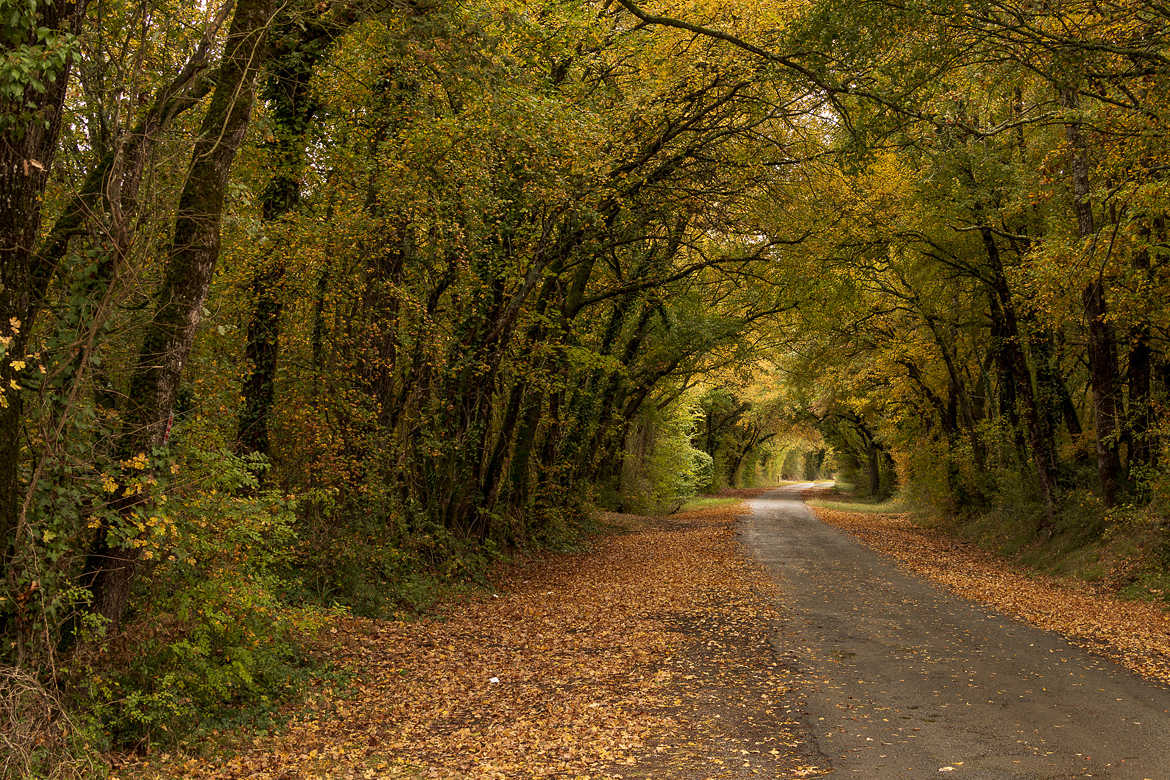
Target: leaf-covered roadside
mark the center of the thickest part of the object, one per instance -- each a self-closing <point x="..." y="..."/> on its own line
<point x="646" y="656"/>
<point x="1132" y="633"/>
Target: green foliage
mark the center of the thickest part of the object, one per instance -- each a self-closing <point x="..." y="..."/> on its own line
<point x="375" y="560"/>
<point x="217" y="638"/>
<point x="34" y="55"/>
<point x="738" y="431"/>
<point x="663" y="469"/>
<point x="483" y="262"/>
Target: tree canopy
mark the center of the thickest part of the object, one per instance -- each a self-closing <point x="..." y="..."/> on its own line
<point x="304" y="306"/>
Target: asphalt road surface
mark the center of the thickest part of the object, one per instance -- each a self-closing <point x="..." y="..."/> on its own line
<point x="905" y="680"/>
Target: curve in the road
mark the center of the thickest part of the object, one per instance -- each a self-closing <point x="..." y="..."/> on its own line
<point x="905" y="680"/>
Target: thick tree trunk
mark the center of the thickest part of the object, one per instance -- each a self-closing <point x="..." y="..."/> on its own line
<point x="1103" y="370"/>
<point x="193" y="254"/>
<point x="298" y="50"/>
<point x="875" y="469"/>
<point x="1103" y="376"/>
<point x="492" y="482"/>
<point x="520" y="469"/>
<point x="1036" y="419"/>
<point x="1142" y="452"/>
<point x="1008" y="406"/>
<point x="259" y="386"/>
<point x="28" y="145"/>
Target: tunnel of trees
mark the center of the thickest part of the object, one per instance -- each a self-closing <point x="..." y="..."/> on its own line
<point x="306" y="305"/>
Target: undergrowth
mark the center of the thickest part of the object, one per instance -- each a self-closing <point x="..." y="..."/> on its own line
<point x="1124" y="549"/>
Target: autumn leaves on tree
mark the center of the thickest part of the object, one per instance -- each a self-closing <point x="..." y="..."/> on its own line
<point x="310" y="305"/>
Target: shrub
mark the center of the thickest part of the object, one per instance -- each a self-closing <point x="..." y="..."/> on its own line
<point x="216" y="636"/>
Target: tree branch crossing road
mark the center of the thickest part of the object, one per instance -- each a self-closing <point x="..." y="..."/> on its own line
<point x="904" y="680"/>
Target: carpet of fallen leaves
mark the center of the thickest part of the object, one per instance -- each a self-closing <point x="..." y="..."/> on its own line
<point x="646" y="657"/>
<point x="1133" y="633"/>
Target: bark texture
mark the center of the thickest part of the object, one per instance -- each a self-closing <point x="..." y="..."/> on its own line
<point x="191" y="262"/>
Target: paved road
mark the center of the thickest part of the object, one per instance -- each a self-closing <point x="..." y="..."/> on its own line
<point x="904" y="680"/>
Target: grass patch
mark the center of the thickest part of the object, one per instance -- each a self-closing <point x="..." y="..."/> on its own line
<point x="1123" y="550"/>
<point x="1076" y="545"/>
<point x="708" y="502"/>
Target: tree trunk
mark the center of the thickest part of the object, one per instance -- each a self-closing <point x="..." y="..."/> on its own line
<point x="964" y="407"/>
<point x="875" y="470"/>
<point x="520" y="469"/>
<point x="192" y="258"/>
<point x="1009" y="409"/>
<point x="1142" y="452"/>
<point x="298" y="50"/>
<point x="1103" y="371"/>
<point x="259" y="387"/>
<point x="1036" y="419"/>
<point x="28" y="144"/>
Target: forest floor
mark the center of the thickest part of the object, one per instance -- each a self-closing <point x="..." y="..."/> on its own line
<point x="664" y="651"/>
<point x="649" y="655"/>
